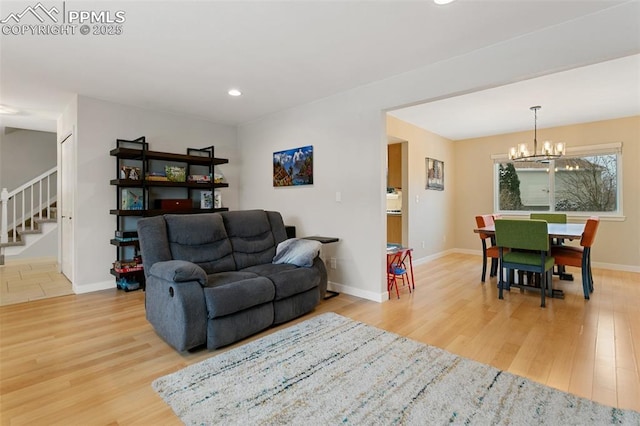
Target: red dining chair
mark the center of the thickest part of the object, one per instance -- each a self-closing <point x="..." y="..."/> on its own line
<point x="397" y="269"/>
<point x="580" y="256"/>
<point x="490" y="251"/>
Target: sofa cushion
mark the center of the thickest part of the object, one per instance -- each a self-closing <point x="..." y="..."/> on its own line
<point x="201" y="239"/>
<point x="251" y="237"/>
<point x="221" y="278"/>
<point x="236" y="296"/>
<point x="287" y="279"/>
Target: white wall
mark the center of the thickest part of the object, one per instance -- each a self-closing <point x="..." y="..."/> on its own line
<point x="430" y="222"/>
<point x="24" y="155"/>
<point x="99" y="124"/>
<point x="348" y="134"/>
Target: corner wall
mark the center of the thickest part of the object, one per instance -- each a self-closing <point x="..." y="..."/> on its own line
<point x="99" y="124"/>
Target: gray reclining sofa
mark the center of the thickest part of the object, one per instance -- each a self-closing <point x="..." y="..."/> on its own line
<point x="210" y="277"/>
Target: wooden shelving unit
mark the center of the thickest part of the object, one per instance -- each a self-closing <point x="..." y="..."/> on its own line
<point x="135" y="153"/>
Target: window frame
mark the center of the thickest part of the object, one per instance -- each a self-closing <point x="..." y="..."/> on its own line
<point x="581" y="151"/>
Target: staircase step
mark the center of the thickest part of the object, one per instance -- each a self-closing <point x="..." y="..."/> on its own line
<point x="30" y="232"/>
<point x="12" y="244"/>
<point x="45" y="220"/>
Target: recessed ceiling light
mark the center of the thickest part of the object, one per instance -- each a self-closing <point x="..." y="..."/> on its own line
<point x="443" y="1"/>
<point x="7" y="110"/>
<point x="234" y="92"/>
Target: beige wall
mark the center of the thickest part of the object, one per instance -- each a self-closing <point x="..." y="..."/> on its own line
<point x="618" y="241"/>
<point x="430" y="220"/>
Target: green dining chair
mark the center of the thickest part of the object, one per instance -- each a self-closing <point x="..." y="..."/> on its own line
<point x="551" y="218"/>
<point x="528" y="244"/>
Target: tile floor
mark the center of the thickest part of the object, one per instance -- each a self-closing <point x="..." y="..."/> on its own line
<point x="23" y="280"/>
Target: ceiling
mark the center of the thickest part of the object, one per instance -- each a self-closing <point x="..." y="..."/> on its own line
<point x="183" y="57"/>
<point x="602" y="91"/>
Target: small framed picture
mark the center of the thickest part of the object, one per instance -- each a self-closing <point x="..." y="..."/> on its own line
<point x="129" y="172"/>
<point x="435" y="174"/>
<point x="206" y="200"/>
<point x="131" y="199"/>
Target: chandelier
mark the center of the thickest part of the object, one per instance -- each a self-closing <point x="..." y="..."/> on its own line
<point x="548" y="152"/>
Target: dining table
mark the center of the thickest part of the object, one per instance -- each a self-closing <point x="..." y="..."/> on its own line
<point x="561" y="231"/>
<point x="565" y="231"/>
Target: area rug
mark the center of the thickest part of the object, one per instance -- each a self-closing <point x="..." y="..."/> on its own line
<point x="330" y="370"/>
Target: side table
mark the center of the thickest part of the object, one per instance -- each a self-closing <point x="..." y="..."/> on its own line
<point x="325" y="240"/>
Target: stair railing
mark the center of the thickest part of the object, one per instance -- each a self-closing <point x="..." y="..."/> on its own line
<point x="19" y="206"/>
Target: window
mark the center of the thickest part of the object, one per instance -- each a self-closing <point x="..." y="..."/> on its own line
<point x="586" y="181"/>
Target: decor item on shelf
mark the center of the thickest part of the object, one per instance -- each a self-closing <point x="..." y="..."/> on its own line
<point x="206" y="200"/>
<point x="173" y="204"/>
<point x="175" y="173"/>
<point x="549" y="150"/>
<point x="128" y="283"/>
<point x="132" y="199"/>
<point x="218" y="177"/>
<point x="331" y="370"/>
<point x="217" y="199"/>
<point x="435" y="174"/>
<point x="130" y="172"/>
<point x="293" y="167"/>
<point x="199" y="178"/>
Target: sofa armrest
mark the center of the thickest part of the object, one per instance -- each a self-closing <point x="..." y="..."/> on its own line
<point x="177" y="310"/>
<point x="178" y="271"/>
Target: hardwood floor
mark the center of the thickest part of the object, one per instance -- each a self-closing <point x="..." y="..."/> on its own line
<point x="90" y="359"/>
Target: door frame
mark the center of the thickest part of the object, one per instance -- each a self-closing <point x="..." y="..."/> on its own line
<point x="66" y="252"/>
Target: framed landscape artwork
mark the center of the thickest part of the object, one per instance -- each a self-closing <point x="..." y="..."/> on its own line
<point x="293" y="167"/>
<point x="435" y="174"/>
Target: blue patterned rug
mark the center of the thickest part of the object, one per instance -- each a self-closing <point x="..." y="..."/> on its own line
<point x="330" y="370"/>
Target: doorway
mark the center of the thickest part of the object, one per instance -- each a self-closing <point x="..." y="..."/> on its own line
<point x="397" y="192"/>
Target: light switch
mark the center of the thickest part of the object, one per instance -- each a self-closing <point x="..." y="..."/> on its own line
<point x="338" y="197"/>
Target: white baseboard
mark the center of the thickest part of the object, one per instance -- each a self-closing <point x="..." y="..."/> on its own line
<point x="616" y="267"/>
<point x="88" y="288"/>
<point x="357" y="292"/>
<point x="435" y="256"/>
<point x="602" y="265"/>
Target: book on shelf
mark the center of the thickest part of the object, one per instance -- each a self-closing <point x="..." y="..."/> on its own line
<point x="128" y="265"/>
<point x="129" y="269"/>
<point x="125" y="239"/>
<point x="126" y="234"/>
